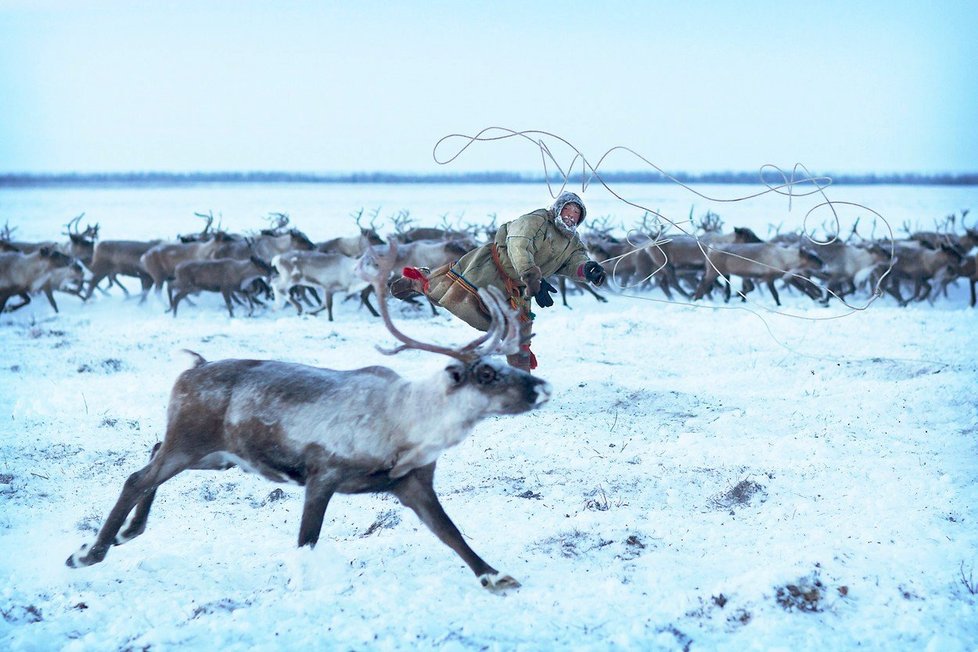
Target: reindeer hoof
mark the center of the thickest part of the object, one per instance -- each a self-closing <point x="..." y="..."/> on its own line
<point x="498" y="583"/>
<point x="128" y="535"/>
<point x="77" y="560"/>
<point x="84" y="557"/>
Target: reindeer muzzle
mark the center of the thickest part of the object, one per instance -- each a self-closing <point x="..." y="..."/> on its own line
<point x="538" y="392"/>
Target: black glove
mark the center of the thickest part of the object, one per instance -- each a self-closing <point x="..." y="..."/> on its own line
<point x="543" y="298"/>
<point x="531" y="279"/>
<point x="594" y="273"/>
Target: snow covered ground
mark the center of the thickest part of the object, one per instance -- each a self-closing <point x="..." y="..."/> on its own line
<point x="703" y="478"/>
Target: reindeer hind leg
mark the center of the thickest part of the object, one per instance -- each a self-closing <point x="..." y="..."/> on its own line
<point x="114" y="280"/>
<point x="138" y="488"/>
<point x="137" y="524"/>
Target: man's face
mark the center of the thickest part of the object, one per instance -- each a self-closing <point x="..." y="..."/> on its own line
<point x="571" y="215"/>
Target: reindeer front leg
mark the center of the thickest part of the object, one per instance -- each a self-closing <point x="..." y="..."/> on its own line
<point x="319" y="489"/>
<point x="49" y="293"/>
<point x="417" y="491"/>
<point x="365" y="300"/>
<point x="226" y="293"/>
<point x="322" y="479"/>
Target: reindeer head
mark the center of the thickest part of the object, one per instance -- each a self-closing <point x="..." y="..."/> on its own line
<point x="810" y="259"/>
<point x="745" y="235"/>
<point x="83" y="238"/>
<point x="954" y="254"/>
<point x="57" y="258"/>
<point x="266" y="269"/>
<point x="368" y="234"/>
<point x="487" y="384"/>
<point x="300" y="240"/>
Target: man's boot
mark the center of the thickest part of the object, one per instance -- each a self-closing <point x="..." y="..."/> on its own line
<point x="414" y="283"/>
<point x="524" y="360"/>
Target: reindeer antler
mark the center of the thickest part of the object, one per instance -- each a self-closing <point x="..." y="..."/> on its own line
<point x="502" y="337"/>
<point x="90" y="234"/>
<point x="601" y="226"/>
<point x="71" y="228"/>
<point x="710" y="222"/>
<point x="402" y="221"/>
<point x="489" y="229"/>
<point x="209" y="218"/>
<point x="278" y="221"/>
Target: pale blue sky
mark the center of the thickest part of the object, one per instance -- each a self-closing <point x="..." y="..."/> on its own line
<point x="330" y="87"/>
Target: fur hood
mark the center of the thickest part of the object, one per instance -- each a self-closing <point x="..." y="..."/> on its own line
<point x="565" y="198"/>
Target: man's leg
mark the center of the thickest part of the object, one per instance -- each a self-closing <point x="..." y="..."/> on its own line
<point x="524" y="359"/>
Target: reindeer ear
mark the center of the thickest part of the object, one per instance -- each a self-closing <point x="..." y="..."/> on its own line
<point x="456" y="373"/>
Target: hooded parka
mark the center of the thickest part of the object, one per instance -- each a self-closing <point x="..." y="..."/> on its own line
<point x="531" y="240"/>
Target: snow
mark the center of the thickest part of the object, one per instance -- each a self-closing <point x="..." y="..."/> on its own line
<point x="708" y="477"/>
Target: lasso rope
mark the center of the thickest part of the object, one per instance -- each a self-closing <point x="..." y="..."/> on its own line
<point x="787" y="187"/>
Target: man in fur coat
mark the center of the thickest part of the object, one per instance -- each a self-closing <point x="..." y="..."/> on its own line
<point x="523" y="253"/>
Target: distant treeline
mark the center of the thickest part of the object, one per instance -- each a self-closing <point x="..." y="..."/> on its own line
<point x="191" y="178"/>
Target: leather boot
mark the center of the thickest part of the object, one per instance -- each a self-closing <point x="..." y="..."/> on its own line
<point x="404" y="288"/>
<point x="524" y="360"/>
<point x="520" y="360"/>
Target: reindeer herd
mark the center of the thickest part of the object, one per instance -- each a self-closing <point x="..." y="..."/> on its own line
<point x="694" y="265"/>
<point x="280" y="264"/>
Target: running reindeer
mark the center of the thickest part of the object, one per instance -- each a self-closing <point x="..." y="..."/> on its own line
<point x="291" y="422"/>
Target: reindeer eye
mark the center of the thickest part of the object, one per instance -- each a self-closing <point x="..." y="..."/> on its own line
<point x="485" y="375"/>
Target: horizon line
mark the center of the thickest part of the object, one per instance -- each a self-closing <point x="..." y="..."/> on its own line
<point x="28" y="179"/>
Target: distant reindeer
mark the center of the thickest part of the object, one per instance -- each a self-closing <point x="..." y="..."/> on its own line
<point x="81" y="244"/>
<point x="682" y="256"/>
<point x="228" y="276"/>
<point x="626" y="261"/>
<point x="114" y="258"/>
<point x="161" y="261"/>
<point x="356" y="245"/>
<point x="43" y="270"/>
<point x="325" y="273"/>
<point x="763" y="262"/>
<point x="266" y="245"/>
<point x="68" y="275"/>
<point x="915" y="263"/>
<point x="7" y="242"/>
<point x="969" y="271"/>
<point x="845" y="267"/>
<point x="446" y="231"/>
<point x="358" y="431"/>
